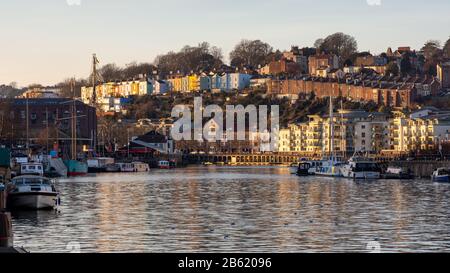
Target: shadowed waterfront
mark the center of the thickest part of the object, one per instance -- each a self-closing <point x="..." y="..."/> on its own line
<point x="222" y="209"/>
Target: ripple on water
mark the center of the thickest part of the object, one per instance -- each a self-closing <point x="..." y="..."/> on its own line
<point x="243" y="209"/>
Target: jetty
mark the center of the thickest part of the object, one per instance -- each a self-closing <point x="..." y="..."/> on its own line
<point x="421" y="168"/>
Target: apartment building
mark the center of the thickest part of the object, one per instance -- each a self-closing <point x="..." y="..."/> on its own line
<point x="414" y="134"/>
<point x="352" y="131"/>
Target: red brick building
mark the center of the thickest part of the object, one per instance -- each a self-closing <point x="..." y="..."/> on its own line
<point x="322" y="61"/>
<point x="383" y="92"/>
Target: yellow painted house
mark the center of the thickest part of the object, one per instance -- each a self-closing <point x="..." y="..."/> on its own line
<point x="176" y="84"/>
<point x="193" y="83"/>
<point x="135" y="88"/>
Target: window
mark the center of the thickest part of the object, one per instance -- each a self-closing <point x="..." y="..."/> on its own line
<point x="363" y="135"/>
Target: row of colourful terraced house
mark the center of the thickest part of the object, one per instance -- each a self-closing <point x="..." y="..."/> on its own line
<point x="225" y="82"/>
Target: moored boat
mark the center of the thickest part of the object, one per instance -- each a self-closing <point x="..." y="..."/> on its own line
<point x="303" y="169"/>
<point x="398" y="173"/>
<point x="112" y="168"/>
<point x="165" y="164"/>
<point x="315" y="165"/>
<point x="32" y="192"/>
<point x="76" y="168"/>
<point x="32" y="169"/>
<point x="441" y="175"/>
<point x="330" y="167"/>
<point x="126" y="167"/>
<point x="359" y="167"/>
<point x="140" y="167"/>
<point x="98" y="165"/>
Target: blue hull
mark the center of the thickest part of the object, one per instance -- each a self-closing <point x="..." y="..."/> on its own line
<point x="441" y="179"/>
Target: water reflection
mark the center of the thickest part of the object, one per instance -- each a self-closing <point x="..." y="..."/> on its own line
<point x="219" y="209"/>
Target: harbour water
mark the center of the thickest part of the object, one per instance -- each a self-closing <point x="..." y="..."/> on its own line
<point x="238" y="209"/>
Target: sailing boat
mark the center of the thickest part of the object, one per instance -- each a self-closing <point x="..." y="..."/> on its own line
<point x="331" y="165"/>
<point x="75" y="167"/>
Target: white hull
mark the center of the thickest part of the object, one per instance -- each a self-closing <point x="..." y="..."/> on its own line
<point x="35" y="201"/>
<point x="362" y="175"/>
<point x="328" y="174"/>
<point x="141" y="170"/>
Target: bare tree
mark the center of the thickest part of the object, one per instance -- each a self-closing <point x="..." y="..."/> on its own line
<point x="66" y="87"/>
<point x="5" y="120"/>
<point x="135" y="70"/>
<point x="433" y="55"/>
<point x="447" y="49"/>
<point x="250" y="53"/>
<point x="319" y="42"/>
<point x="111" y="72"/>
<point x="432" y="49"/>
<point x="190" y="58"/>
<point x="340" y="44"/>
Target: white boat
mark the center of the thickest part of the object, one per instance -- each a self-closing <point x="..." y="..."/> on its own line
<point x="331" y="167"/>
<point x="164" y="164"/>
<point x="112" y="168"/>
<point x="126" y="167"/>
<point x="441" y="175"/>
<point x="314" y="166"/>
<point x="98" y="164"/>
<point x="32" y="169"/>
<point x="32" y="192"/>
<point x="140" y="167"/>
<point x="394" y="172"/>
<point x="361" y="168"/>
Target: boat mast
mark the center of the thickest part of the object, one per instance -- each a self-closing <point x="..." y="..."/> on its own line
<point x="331" y="129"/>
<point x="74" y="122"/>
<point x="343" y="134"/>
<point x="46" y="128"/>
<point x="28" y="128"/>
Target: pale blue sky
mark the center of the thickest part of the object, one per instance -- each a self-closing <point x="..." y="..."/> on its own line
<point x="45" y="41"/>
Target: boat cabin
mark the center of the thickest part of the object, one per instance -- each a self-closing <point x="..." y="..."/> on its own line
<point x="164" y="164"/>
<point x="443" y="172"/>
<point x="31" y="180"/>
<point x="140" y="167"/>
<point x="32" y="169"/>
<point x="304" y="169"/>
<point x="126" y="167"/>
